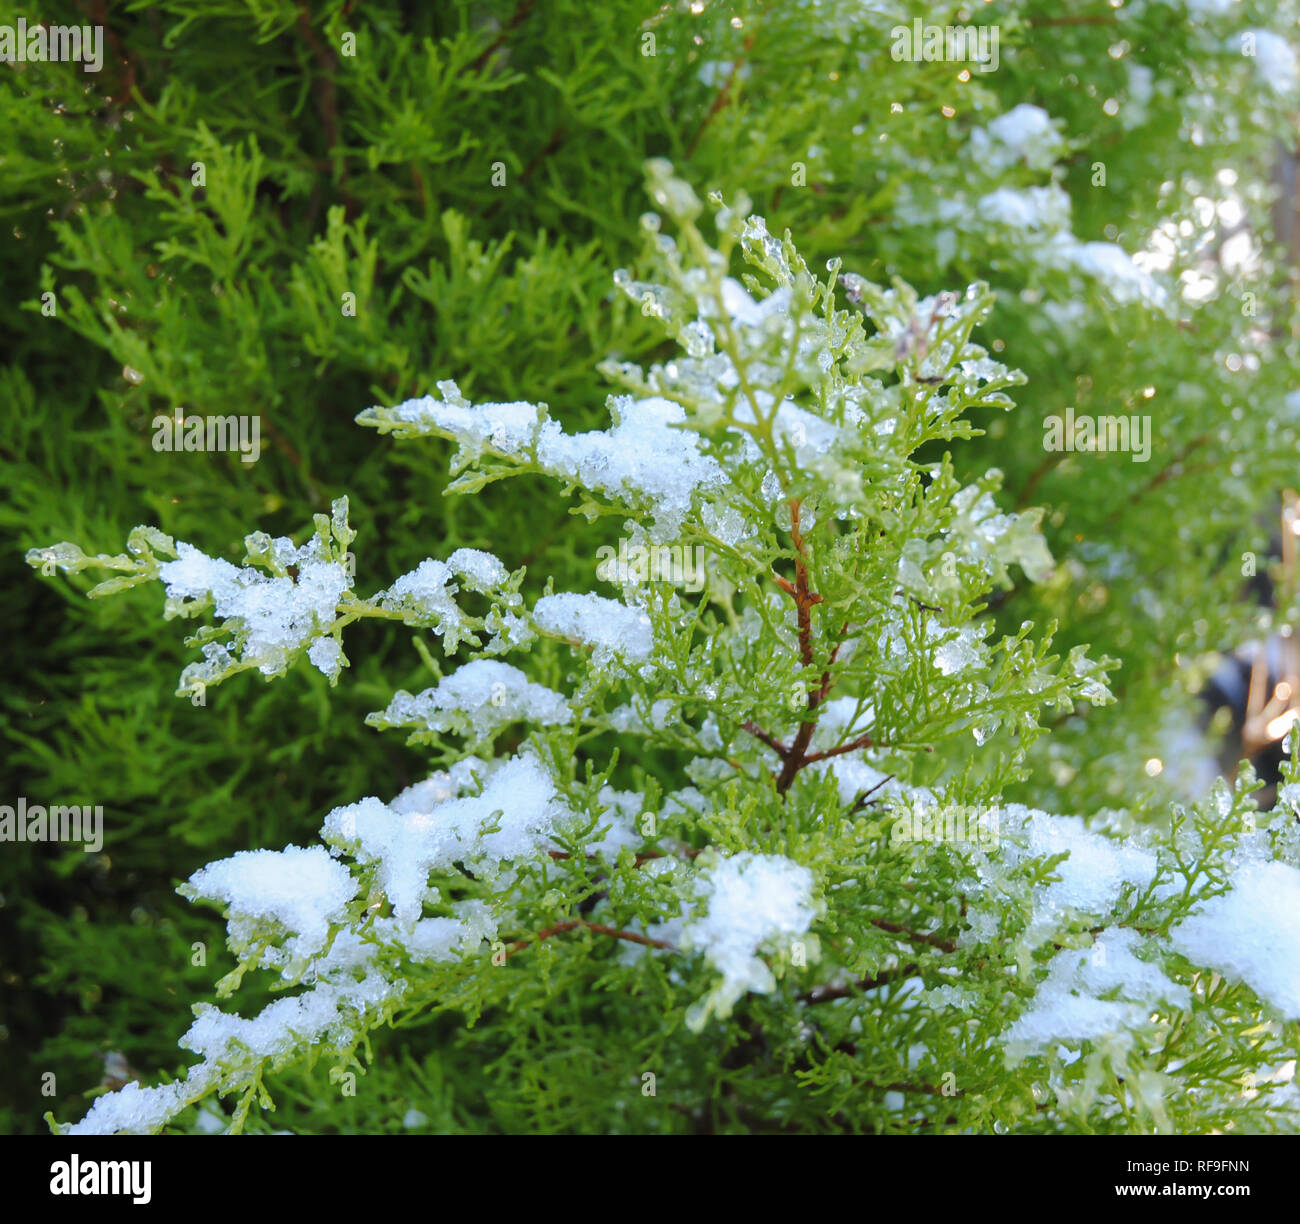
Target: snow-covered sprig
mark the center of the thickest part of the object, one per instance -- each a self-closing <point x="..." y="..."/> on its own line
<point x="705" y="819"/>
<point x="286" y="601"/>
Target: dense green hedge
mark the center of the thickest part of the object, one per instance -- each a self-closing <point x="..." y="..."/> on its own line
<point x="327" y="173"/>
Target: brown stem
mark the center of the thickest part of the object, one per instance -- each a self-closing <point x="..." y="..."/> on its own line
<point x="804" y="599"/>
<point x="1170" y="471"/>
<point x="1036" y="477"/>
<point x="865" y="798"/>
<point x="863" y="741"/>
<point x="771" y="741"/>
<point x="824" y="994"/>
<point x="520" y="16"/>
<point x="122" y="94"/>
<point x="560" y="927"/>
<point x="723" y="98"/>
<point x="796" y="756"/>
<point x="326" y="93"/>
<point x="944" y="945"/>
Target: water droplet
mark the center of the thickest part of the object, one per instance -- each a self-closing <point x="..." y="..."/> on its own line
<point x="132" y="375"/>
<point x="697" y="340"/>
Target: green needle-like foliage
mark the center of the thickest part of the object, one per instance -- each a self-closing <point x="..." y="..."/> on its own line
<point x="283" y="213"/>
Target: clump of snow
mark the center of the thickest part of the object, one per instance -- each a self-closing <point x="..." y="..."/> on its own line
<point x="1275" y="61"/>
<point x="623" y="810"/>
<point x="959" y="649"/>
<point x="1029" y="208"/>
<point x="302" y="889"/>
<point x="980" y="535"/>
<point x="306" y="891"/>
<point x="1025" y="133"/>
<point x="480" y="697"/>
<point x="1252" y="933"/>
<point x="713" y="73"/>
<point x="1201" y="9"/>
<point x="1288" y="795"/>
<point x="1069" y="1006"/>
<point x="742" y="309"/>
<point x="842" y="718"/>
<point x="509" y="428"/>
<point x="479" y="570"/>
<point x="1112" y="266"/>
<point x="591" y="620"/>
<point x="428" y="939"/>
<point x="444" y="939"/>
<point x="136" y="1110"/>
<point x="194" y="574"/>
<point x="349" y="990"/>
<point x="1043" y="215"/>
<point x="328" y="1010"/>
<point x="644" y="459"/>
<point x="440" y="786"/>
<point x="1096" y="872"/>
<point x="1091" y="879"/>
<point x="855" y="778"/>
<point x="518" y="802"/>
<point x="753" y="901"/>
<point x="272" y="616"/>
<point x="809" y="435"/>
<point x="423" y="597"/>
<point x="326" y="655"/>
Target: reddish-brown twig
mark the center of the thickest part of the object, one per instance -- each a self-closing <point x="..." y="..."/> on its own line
<point x="824" y="994"/>
<point x="723" y="98"/>
<point x="560" y="927"/>
<point x="944" y="945"/>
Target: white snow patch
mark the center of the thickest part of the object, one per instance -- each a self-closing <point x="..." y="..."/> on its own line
<point x="518" y="798"/>
<point x="1069" y="1006"/>
<point x="591" y="620"/>
<point x="303" y="889"/>
<point x="752" y="901"/>
<point x="481" y="696"/>
<point x="1252" y="934"/>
